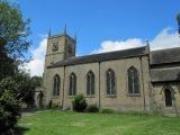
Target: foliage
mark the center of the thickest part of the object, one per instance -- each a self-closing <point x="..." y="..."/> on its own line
<point x="9" y="112"/>
<point x="13" y="85"/>
<point x="92" y="108"/>
<point x="14" y="29"/>
<point x="8" y="83"/>
<point x="36" y="81"/>
<point x="7" y="66"/>
<point x="106" y="110"/>
<point x="22" y="85"/>
<point x="25" y="90"/>
<point x="79" y="103"/>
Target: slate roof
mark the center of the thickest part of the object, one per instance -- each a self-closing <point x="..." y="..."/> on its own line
<point x="165" y="75"/>
<point x="103" y="57"/>
<point x="165" y="56"/>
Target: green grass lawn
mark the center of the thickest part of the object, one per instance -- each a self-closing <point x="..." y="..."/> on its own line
<point x="51" y="122"/>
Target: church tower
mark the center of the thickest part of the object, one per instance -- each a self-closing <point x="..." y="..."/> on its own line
<point x="59" y="47"/>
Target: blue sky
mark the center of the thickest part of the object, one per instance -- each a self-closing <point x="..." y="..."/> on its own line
<point x="97" y="20"/>
<point x="102" y="25"/>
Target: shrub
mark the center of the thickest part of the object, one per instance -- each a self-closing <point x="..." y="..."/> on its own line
<point x="9" y="113"/>
<point x="92" y="108"/>
<point x="107" y="111"/>
<point x="79" y="103"/>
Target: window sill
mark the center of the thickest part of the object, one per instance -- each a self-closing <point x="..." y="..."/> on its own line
<point x="111" y="96"/>
<point x="72" y="96"/>
<point x="169" y="107"/>
<point x="134" y="95"/>
<point x="90" y="97"/>
<point x="55" y="97"/>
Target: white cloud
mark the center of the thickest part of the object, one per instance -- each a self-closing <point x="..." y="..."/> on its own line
<point x="165" y="39"/>
<point x="107" y="46"/>
<point x="36" y="65"/>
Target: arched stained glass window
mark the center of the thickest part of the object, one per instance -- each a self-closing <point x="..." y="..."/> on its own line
<point x="90" y="83"/>
<point x="111" y="82"/>
<point x="56" y="85"/>
<point x="133" y="81"/>
<point x="72" y="84"/>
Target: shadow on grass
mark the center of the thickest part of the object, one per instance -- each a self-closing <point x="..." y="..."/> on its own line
<point x="20" y="130"/>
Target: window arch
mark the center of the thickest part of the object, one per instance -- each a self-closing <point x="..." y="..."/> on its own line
<point x="56" y="85"/>
<point x="168" y="97"/>
<point x="72" y="84"/>
<point x="133" y="81"/>
<point x="110" y="81"/>
<point x="90" y="83"/>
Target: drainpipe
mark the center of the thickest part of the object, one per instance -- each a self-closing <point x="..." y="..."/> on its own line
<point x="63" y="87"/>
<point x="142" y="77"/>
<point x="99" y="87"/>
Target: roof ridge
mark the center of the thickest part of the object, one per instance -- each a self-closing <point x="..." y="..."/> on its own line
<point x="115" y="51"/>
<point x="93" y="58"/>
<point x="165" y="49"/>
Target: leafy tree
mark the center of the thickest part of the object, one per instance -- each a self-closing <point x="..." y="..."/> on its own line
<point x="25" y="89"/>
<point x="14" y="30"/>
<point x="36" y="81"/>
<point x="9" y="113"/>
<point x="22" y="85"/>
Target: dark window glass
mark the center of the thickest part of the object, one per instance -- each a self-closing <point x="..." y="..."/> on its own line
<point x="133" y="81"/>
<point x="110" y="81"/>
<point x="56" y="85"/>
<point x="90" y="83"/>
<point x="72" y="84"/>
<point x="168" y="97"/>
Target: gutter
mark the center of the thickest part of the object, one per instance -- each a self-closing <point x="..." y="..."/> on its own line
<point x="63" y="88"/>
<point x="99" y="87"/>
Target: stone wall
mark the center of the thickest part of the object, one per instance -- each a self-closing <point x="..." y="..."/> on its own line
<point x="159" y="97"/>
<point x="122" y="101"/>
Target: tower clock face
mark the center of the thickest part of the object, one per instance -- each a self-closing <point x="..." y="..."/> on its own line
<point x="55" y="47"/>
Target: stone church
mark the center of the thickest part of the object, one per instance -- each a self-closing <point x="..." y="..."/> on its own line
<point x="128" y="80"/>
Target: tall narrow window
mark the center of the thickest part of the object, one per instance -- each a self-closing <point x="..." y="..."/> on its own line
<point x="133" y="81"/>
<point x="168" y="97"/>
<point x="110" y="81"/>
<point x="90" y="83"/>
<point x="56" y="85"/>
<point x="72" y="84"/>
